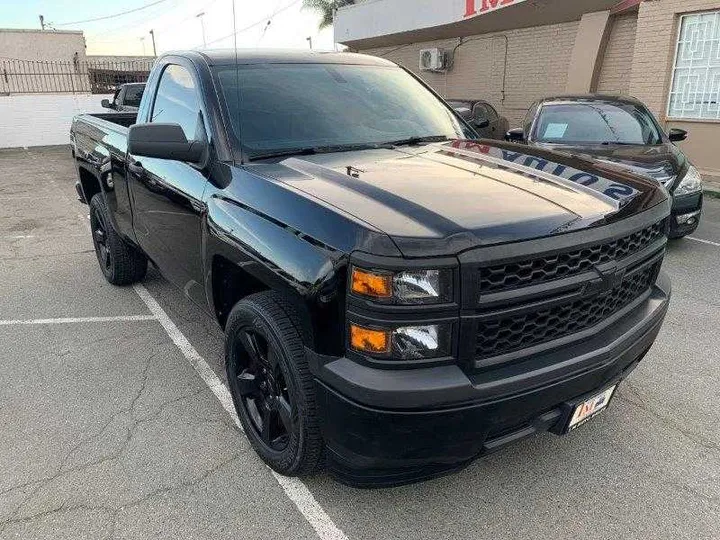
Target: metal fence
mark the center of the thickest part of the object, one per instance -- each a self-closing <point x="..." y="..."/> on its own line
<point x="37" y="77"/>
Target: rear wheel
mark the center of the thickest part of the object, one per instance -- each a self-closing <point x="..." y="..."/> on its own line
<point x="271" y="384"/>
<point x="120" y="263"/>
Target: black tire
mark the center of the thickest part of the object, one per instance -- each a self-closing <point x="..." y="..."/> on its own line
<point x="120" y="263"/>
<point x="272" y="388"/>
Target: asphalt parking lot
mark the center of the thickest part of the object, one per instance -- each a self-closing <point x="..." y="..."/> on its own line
<point x="112" y="425"/>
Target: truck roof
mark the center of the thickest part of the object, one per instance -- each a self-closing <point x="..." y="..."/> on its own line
<point x="224" y="57"/>
<point x="617" y="98"/>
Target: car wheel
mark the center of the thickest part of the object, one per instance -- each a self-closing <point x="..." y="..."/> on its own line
<point x="120" y="263"/>
<point x="271" y="385"/>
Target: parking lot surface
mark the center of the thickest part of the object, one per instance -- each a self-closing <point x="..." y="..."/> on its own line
<point x="111" y="426"/>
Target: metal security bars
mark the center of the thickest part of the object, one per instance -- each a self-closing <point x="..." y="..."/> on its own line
<point x="695" y="88"/>
<point x="38" y="77"/>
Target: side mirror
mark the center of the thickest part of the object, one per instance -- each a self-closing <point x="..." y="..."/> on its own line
<point x="677" y="134"/>
<point x="481" y="124"/>
<point x="164" y="141"/>
<point x="515" y="135"/>
<point x="105" y="104"/>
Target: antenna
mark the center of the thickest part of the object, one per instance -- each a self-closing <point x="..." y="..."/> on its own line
<point x="237" y="81"/>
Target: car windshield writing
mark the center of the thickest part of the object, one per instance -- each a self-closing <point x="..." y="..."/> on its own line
<point x="281" y="107"/>
<point x="595" y="123"/>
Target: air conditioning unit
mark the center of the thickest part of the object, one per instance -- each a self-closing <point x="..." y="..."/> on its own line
<point x="432" y="60"/>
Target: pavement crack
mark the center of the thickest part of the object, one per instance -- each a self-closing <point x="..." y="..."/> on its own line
<point x="632" y="395"/>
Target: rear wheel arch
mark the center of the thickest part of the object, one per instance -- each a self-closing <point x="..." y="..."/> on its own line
<point x="89" y="182"/>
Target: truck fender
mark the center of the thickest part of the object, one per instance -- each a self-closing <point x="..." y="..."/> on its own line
<point x="247" y="251"/>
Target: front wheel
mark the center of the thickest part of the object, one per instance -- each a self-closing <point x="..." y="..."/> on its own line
<point x="120" y="263"/>
<point x="271" y="384"/>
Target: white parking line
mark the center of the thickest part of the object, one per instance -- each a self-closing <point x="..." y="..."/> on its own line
<point x="294" y="488"/>
<point x="716" y="244"/>
<point x="73" y="320"/>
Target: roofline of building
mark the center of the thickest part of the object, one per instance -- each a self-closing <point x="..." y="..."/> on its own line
<point x="38" y="31"/>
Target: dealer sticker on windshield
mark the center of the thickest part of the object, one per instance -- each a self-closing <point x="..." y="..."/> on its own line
<point x="590" y="408"/>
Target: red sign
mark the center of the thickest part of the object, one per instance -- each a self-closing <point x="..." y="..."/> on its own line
<point x="474" y="7"/>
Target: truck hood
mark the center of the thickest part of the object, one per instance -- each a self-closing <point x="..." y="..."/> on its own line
<point x="661" y="162"/>
<point x="467" y="193"/>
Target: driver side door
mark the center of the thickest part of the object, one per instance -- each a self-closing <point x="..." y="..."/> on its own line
<point x="168" y="195"/>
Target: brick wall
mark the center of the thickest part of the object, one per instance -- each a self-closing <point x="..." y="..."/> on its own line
<point x="616" y="66"/>
<point x="655" y="48"/>
<point x="537" y="66"/>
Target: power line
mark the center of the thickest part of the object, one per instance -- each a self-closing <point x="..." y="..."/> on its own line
<point x="114" y="15"/>
<point x="253" y="25"/>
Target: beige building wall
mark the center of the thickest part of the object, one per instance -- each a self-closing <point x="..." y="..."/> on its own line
<point x="616" y="66"/>
<point x="537" y="65"/>
<point x="658" y="24"/>
<point x="42" y="45"/>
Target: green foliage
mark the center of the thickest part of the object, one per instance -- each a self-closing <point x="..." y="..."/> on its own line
<point x="326" y="9"/>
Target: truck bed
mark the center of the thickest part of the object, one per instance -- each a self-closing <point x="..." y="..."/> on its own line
<point x="124" y="119"/>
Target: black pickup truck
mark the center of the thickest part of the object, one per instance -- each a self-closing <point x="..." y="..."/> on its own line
<point x="398" y="297"/>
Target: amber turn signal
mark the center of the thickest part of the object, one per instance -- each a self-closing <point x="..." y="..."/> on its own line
<point x="371" y="284"/>
<point x="367" y="340"/>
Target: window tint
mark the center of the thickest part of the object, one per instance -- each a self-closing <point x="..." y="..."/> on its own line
<point x="133" y="95"/>
<point x="176" y="102"/>
<point x="480" y="112"/>
<point x="292" y="106"/>
<point x="492" y="113"/>
<point x="595" y="122"/>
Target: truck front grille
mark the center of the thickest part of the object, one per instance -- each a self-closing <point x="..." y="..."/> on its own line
<point x="547" y="268"/>
<point x="495" y="337"/>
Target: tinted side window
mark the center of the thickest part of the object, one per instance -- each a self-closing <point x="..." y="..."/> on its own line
<point x="133" y="95"/>
<point x="480" y="112"/>
<point x="492" y="113"/>
<point x="177" y="102"/>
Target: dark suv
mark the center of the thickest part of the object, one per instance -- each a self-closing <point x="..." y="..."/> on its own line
<point x="622" y="132"/>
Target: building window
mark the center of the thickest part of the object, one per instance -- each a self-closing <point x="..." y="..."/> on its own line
<point x="695" y="88"/>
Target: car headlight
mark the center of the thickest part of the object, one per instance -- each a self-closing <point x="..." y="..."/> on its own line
<point x="403" y="343"/>
<point x="432" y="286"/>
<point x="691" y="182"/>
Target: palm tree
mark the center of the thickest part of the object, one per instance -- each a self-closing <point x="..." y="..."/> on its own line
<point x="326" y="8"/>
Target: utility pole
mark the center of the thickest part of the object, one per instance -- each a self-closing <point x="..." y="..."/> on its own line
<point x="42" y="22"/>
<point x="152" y="33"/>
<point x="309" y="40"/>
<point x="202" y="26"/>
<point x="142" y="40"/>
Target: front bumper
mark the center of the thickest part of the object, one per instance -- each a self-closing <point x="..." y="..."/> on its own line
<point x="389" y="427"/>
<point x="686" y="211"/>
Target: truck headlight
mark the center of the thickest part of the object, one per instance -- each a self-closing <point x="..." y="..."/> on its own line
<point x="691" y="182"/>
<point x="404" y="343"/>
<point x="432" y="286"/>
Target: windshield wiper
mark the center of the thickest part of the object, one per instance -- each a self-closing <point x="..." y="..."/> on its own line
<point x="410" y="141"/>
<point x="328" y="149"/>
<point x="620" y="143"/>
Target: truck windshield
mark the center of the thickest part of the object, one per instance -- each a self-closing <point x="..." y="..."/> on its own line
<point x="595" y="123"/>
<point x="280" y="108"/>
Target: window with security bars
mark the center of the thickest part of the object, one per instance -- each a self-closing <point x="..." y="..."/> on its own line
<point x="695" y="89"/>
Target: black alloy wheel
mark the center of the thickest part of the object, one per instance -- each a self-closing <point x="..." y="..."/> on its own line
<point x="120" y="262"/>
<point x="259" y="381"/>
<point x="99" y="236"/>
<point x="271" y="384"/>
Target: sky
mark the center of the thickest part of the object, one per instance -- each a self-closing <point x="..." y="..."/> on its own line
<point x="175" y="23"/>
